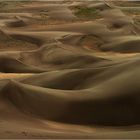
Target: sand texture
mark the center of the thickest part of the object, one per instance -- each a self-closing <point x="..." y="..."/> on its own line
<point x="70" y="69"/>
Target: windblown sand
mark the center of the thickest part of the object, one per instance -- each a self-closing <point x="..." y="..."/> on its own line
<point x="70" y="69"/>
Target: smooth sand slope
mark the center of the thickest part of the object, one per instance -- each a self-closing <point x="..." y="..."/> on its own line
<point x="69" y="69"/>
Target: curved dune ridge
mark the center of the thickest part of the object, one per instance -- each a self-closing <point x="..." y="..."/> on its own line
<point x="69" y="69"/>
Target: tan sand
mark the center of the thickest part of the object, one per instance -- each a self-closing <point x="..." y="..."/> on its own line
<point x="64" y="76"/>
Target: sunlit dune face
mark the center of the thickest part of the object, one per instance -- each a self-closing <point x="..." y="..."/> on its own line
<point x="13" y="75"/>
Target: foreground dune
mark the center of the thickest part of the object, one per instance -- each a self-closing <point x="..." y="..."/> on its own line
<point x="69" y="69"/>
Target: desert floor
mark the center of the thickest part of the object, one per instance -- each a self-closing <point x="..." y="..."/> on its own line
<point x="70" y="69"/>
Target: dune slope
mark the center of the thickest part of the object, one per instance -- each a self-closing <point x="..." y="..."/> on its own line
<point x="69" y="69"/>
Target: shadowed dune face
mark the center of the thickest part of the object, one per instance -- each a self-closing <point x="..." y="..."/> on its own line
<point x="69" y="69"/>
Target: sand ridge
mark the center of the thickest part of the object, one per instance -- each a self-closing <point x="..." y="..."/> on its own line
<point x="69" y="69"/>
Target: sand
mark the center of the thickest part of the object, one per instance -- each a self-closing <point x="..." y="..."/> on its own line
<point x="64" y="75"/>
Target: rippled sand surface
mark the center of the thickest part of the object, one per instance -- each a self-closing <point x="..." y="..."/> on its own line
<point x="70" y="69"/>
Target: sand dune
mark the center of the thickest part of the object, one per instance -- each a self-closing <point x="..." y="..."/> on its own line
<point x="16" y="23"/>
<point x="69" y="69"/>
